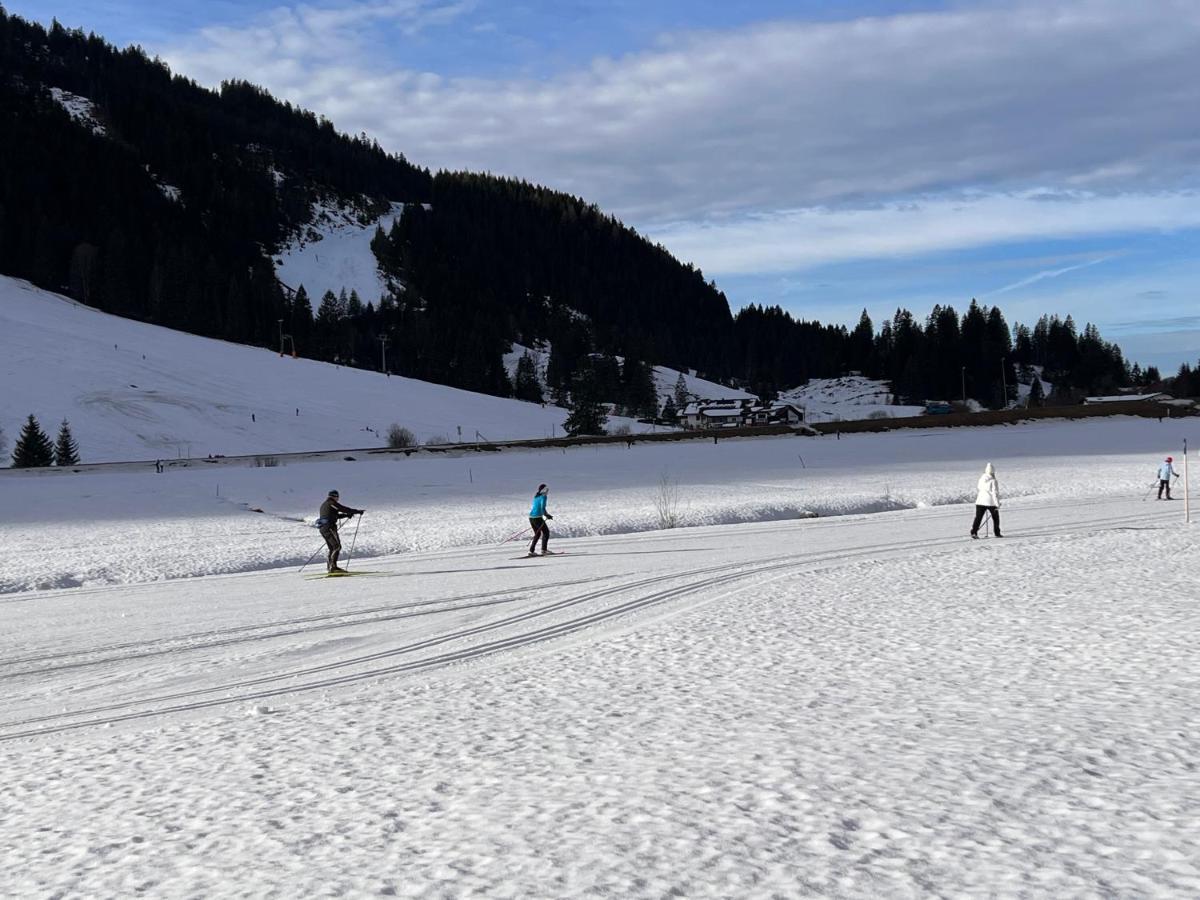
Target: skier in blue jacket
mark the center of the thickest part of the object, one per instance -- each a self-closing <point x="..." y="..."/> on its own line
<point x="1165" y="473"/>
<point x="537" y="520"/>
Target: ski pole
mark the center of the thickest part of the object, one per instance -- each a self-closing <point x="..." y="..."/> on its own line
<point x="311" y="558"/>
<point x="515" y="536"/>
<point x="352" y="540"/>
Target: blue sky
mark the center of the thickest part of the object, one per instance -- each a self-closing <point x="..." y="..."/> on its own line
<point x="1036" y="154"/>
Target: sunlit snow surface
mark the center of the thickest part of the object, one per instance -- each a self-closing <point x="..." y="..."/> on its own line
<point x="848" y="706"/>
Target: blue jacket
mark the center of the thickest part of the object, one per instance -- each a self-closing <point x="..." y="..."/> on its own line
<point x="1165" y="471"/>
<point x="539" y="506"/>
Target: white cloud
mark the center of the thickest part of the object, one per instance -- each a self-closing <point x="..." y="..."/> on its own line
<point x="800" y="239"/>
<point x="1048" y="273"/>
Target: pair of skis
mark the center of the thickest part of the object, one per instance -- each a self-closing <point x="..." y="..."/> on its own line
<point x="316" y="575"/>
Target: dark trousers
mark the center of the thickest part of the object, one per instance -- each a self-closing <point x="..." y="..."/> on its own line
<point x="540" y="530"/>
<point x="334" y="543"/>
<point x="980" y="511"/>
<point x="1164" y="484"/>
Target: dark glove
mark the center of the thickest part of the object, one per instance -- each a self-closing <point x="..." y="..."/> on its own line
<point x="548" y="516"/>
<point x="359" y="512"/>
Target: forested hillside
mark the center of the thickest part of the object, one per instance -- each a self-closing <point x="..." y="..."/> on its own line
<point x="141" y="193"/>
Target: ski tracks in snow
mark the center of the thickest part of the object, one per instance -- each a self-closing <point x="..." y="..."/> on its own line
<point x="468" y="628"/>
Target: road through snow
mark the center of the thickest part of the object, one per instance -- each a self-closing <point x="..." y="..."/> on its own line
<point x="855" y="706"/>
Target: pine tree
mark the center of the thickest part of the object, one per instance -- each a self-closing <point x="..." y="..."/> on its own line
<point x="681" y="392"/>
<point x="638" y="393"/>
<point x="66" y="451"/>
<point x="587" y="414"/>
<point x="1037" y="396"/>
<point x="669" y="412"/>
<point x="527" y="386"/>
<point x="33" y="449"/>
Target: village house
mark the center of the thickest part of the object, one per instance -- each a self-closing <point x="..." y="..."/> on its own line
<point x="1129" y="398"/>
<point x="742" y="413"/>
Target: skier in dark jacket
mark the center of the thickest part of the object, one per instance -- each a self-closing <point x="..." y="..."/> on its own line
<point x="333" y="512"/>
<point x="537" y="520"/>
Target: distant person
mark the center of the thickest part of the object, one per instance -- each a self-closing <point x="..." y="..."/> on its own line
<point x="331" y="513"/>
<point x="537" y="521"/>
<point x="987" y="500"/>
<point x="1165" y="473"/>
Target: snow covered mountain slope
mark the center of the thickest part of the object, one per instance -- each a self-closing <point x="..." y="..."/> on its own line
<point x="137" y="391"/>
<point x="665" y="378"/>
<point x="846" y="399"/>
<point x="334" y="252"/>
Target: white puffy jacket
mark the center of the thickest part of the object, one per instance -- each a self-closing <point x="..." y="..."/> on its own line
<point x="989" y="488"/>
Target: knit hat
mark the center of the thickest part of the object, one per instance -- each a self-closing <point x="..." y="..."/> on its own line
<point x="334" y="494"/>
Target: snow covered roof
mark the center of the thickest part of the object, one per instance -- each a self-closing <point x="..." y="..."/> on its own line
<point x="1127" y="398"/>
<point x="721" y="412"/>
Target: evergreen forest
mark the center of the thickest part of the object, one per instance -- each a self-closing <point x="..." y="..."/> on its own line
<point x="169" y="211"/>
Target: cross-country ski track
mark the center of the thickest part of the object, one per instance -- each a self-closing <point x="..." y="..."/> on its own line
<point x="853" y="706"/>
<point x="472" y="627"/>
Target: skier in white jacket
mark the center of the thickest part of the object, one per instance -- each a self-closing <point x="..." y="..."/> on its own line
<point x="988" y="499"/>
<point x="1165" y="473"/>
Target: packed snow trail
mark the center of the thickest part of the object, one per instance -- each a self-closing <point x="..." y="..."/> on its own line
<point x="852" y="707"/>
<point x="454" y="628"/>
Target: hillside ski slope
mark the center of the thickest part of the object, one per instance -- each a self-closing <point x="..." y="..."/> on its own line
<point x="136" y="391"/>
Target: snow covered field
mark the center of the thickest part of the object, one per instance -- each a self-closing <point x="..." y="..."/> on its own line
<point x="859" y="705"/>
<point x="137" y="391"/>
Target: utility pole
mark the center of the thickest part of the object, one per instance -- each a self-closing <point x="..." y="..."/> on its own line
<point x="964" y="385"/>
<point x="280" y="321"/>
<point x="1003" y="384"/>
<point x="383" y="353"/>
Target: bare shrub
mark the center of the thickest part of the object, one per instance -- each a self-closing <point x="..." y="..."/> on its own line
<point x="666" y="501"/>
<point x="398" y="438"/>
